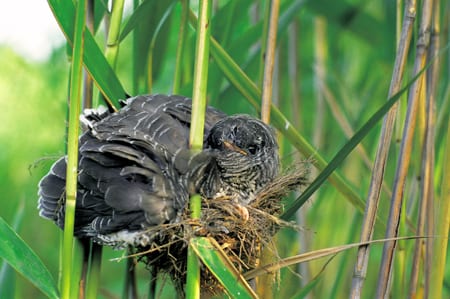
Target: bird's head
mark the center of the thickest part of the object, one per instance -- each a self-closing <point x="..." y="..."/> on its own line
<point x="246" y="154"/>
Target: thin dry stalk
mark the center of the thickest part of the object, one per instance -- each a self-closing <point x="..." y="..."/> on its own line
<point x="269" y="61"/>
<point x="265" y="282"/>
<point x="433" y="286"/>
<point x="373" y="196"/>
<point x="426" y="220"/>
<point x="405" y="152"/>
<point x="430" y="193"/>
<point x="426" y="197"/>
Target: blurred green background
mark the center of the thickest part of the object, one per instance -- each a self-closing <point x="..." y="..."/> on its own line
<point x="358" y="44"/>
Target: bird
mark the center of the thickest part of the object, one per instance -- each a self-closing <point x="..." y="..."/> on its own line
<point x="136" y="169"/>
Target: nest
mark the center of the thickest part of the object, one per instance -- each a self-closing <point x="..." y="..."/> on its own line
<point x="241" y="231"/>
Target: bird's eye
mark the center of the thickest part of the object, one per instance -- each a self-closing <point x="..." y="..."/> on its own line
<point x="252" y="149"/>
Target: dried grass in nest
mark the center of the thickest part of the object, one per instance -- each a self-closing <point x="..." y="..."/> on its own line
<point x="224" y="220"/>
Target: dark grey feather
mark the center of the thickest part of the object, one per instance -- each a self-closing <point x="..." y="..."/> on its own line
<point x="136" y="170"/>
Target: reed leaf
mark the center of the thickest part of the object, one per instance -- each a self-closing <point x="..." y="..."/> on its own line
<point x="94" y="59"/>
<point x="22" y="258"/>
<point x="217" y="261"/>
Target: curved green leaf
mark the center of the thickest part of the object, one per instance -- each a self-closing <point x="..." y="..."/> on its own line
<point x="348" y="147"/>
<point x="145" y="31"/>
<point x="22" y="258"/>
<point x="221" y="267"/>
<point x="94" y="60"/>
<point x="341" y="155"/>
<point x="140" y="17"/>
<point x="7" y="275"/>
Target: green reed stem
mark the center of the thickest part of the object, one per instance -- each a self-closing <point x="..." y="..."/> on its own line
<point x="197" y="128"/>
<point x="72" y="148"/>
<point x="112" y="43"/>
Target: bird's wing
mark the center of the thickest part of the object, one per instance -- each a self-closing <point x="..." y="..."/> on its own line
<point x="127" y="174"/>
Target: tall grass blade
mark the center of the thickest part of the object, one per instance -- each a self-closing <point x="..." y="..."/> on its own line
<point x="405" y="153"/>
<point x="97" y="65"/>
<point x="22" y="258"/>
<point x="217" y="261"/>
<point x="144" y="62"/>
<point x="7" y="275"/>
<point x="378" y="171"/>
<point x="151" y="51"/>
<point x="313" y="255"/>
<point x="75" y="96"/>
<point x="139" y="15"/>
<point x="345" y="150"/>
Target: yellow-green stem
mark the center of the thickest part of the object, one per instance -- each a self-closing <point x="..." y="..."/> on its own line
<point x="200" y="76"/>
<point x="112" y="43"/>
<point x="196" y="132"/>
<point x="72" y="149"/>
<point x="193" y="263"/>
<point x="269" y="61"/>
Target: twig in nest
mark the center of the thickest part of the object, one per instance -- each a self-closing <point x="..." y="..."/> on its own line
<point x="239" y="238"/>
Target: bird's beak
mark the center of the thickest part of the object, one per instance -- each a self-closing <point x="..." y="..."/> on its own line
<point x="233" y="147"/>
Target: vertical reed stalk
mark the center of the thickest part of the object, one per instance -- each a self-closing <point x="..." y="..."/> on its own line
<point x="72" y="148"/>
<point x="378" y="171"/>
<point x="425" y="205"/>
<point x="441" y="206"/>
<point x="265" y="282"/>
<point x="112" y="42"/>
<point x="385" y="272"/>
<point x="269" y="61"/>
<point x="200" y="76"/>
<point x="197" y="128"/>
